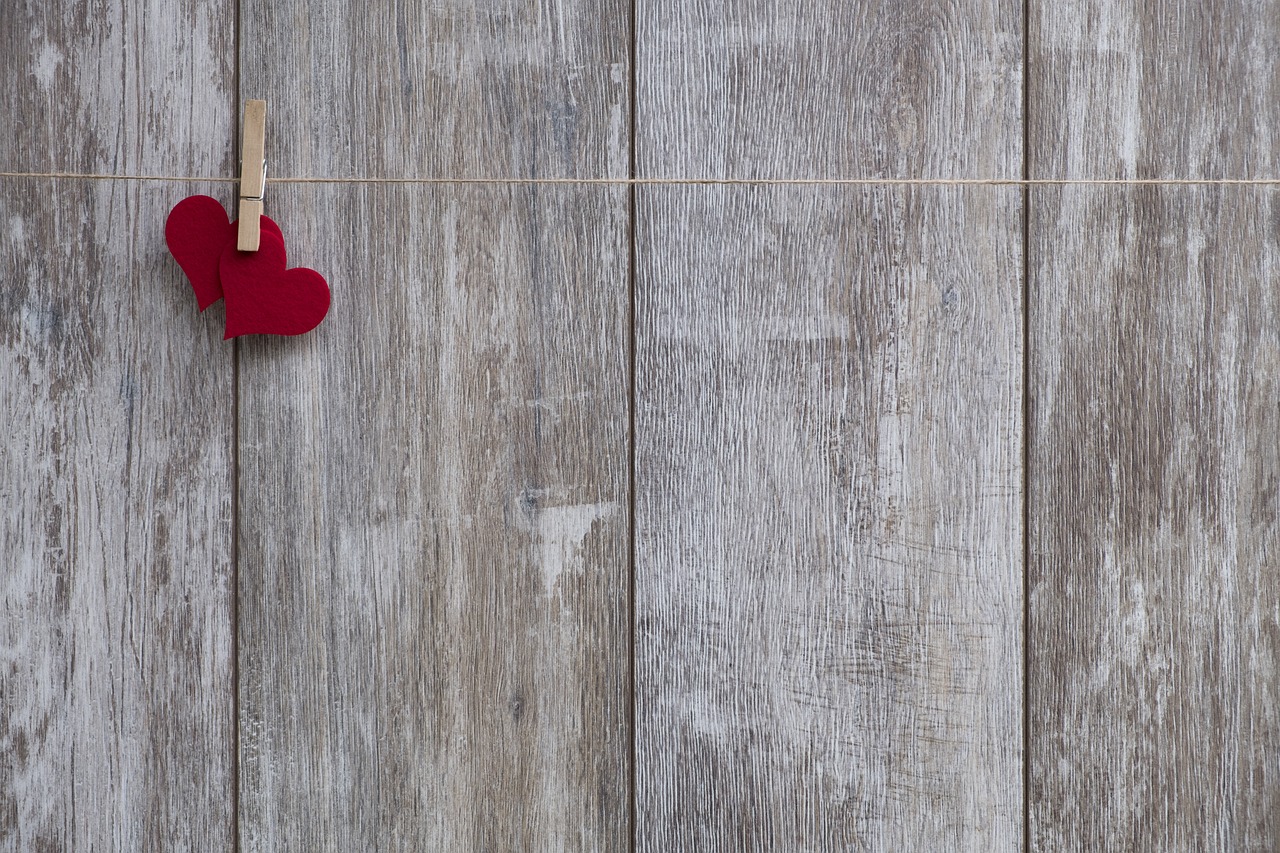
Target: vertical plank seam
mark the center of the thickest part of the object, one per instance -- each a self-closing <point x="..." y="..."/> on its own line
<point x="235" y="497"/>
<point x="631" y="500"/>
<point x="1026" y="426"/>
<point x="631" y="426"/>
<point x="235" y="596"/>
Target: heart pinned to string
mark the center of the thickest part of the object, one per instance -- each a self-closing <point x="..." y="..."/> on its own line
<point x="243" y="262"/>
<point x="197" y="231"/>
<point x="265" y="298"/>
<point x="262" y="296"/>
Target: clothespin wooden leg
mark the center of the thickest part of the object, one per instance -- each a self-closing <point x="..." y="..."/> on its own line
<point x="253" y="175"/>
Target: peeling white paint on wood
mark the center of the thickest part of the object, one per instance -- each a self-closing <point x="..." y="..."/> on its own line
<point x="560" y="532"/>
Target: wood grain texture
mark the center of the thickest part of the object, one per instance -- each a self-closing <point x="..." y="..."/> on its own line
<point x="828" y="529"/>
<point x="434" y="528"/>
<point x="119" y="86"/>
<point x="115" y="475"/>
<point x="1153" y="633"/>
<point x="1155" y="706"/>
<point x="501" y="89"/>
<point x="1137" y="89"/>
<point x="829" y="89"/>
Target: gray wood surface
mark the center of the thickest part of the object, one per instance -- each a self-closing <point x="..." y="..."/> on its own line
<point x="1153" y="586"/>
<point x="501" y="89"/>
<point x="433" y="517"/>
<point x="828" y="577"/>
<point x="829" y="566"/>
<point x="116" y="401"/>
<point x="118" y="87"/>
<point x="829" y="89"/>
<point x="1181" y="89"/>
<point x="434" y="528"/>
<point x="1155" y="704"/>
<point x="434" y="561"/>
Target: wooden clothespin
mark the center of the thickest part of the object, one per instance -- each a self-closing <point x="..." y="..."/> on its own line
<point x="253" y="175"/>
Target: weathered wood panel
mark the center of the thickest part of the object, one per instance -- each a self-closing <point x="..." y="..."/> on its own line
<point x="790" y="613"/>
<point x="501" y="89"/>
<point x="1155" y="696"/>
<point x="434" y="528"/>
<point x="435" y="610"/>
<point x="829" y="89"/>
<point x="118" y="87"/>
<point x="116" y="400"/>
<point x="116" y="669"/>
<point x="828" y="529"/>
<point x="1153" y="631"/>
<point x="1130" y="89"/>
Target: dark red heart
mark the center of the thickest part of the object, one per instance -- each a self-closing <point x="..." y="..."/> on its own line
<point x="197" y="232"/>
<point x="264" y="298"/>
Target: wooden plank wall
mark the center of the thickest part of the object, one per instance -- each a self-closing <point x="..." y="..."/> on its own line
<point x="663" y="516"/>
<point x="1155" y="600"/>
<point x="117" y="402"/>
<point x="434" y="518"/>
<point x="829" y="572"/>
<point x="828" y="430"/>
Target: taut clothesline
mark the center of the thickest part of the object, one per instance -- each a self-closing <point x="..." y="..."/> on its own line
<point x="998" y="182"/>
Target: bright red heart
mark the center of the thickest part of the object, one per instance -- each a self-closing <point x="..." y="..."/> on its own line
<point x="264" y="298"/>
<point x="197" y="232"/>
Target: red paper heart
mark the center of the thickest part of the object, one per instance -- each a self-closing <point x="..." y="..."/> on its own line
<point x="197" y="232"/>
<point x="264" y="298"/>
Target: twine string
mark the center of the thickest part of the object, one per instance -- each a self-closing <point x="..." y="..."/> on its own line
<point x="997" y="182"/>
